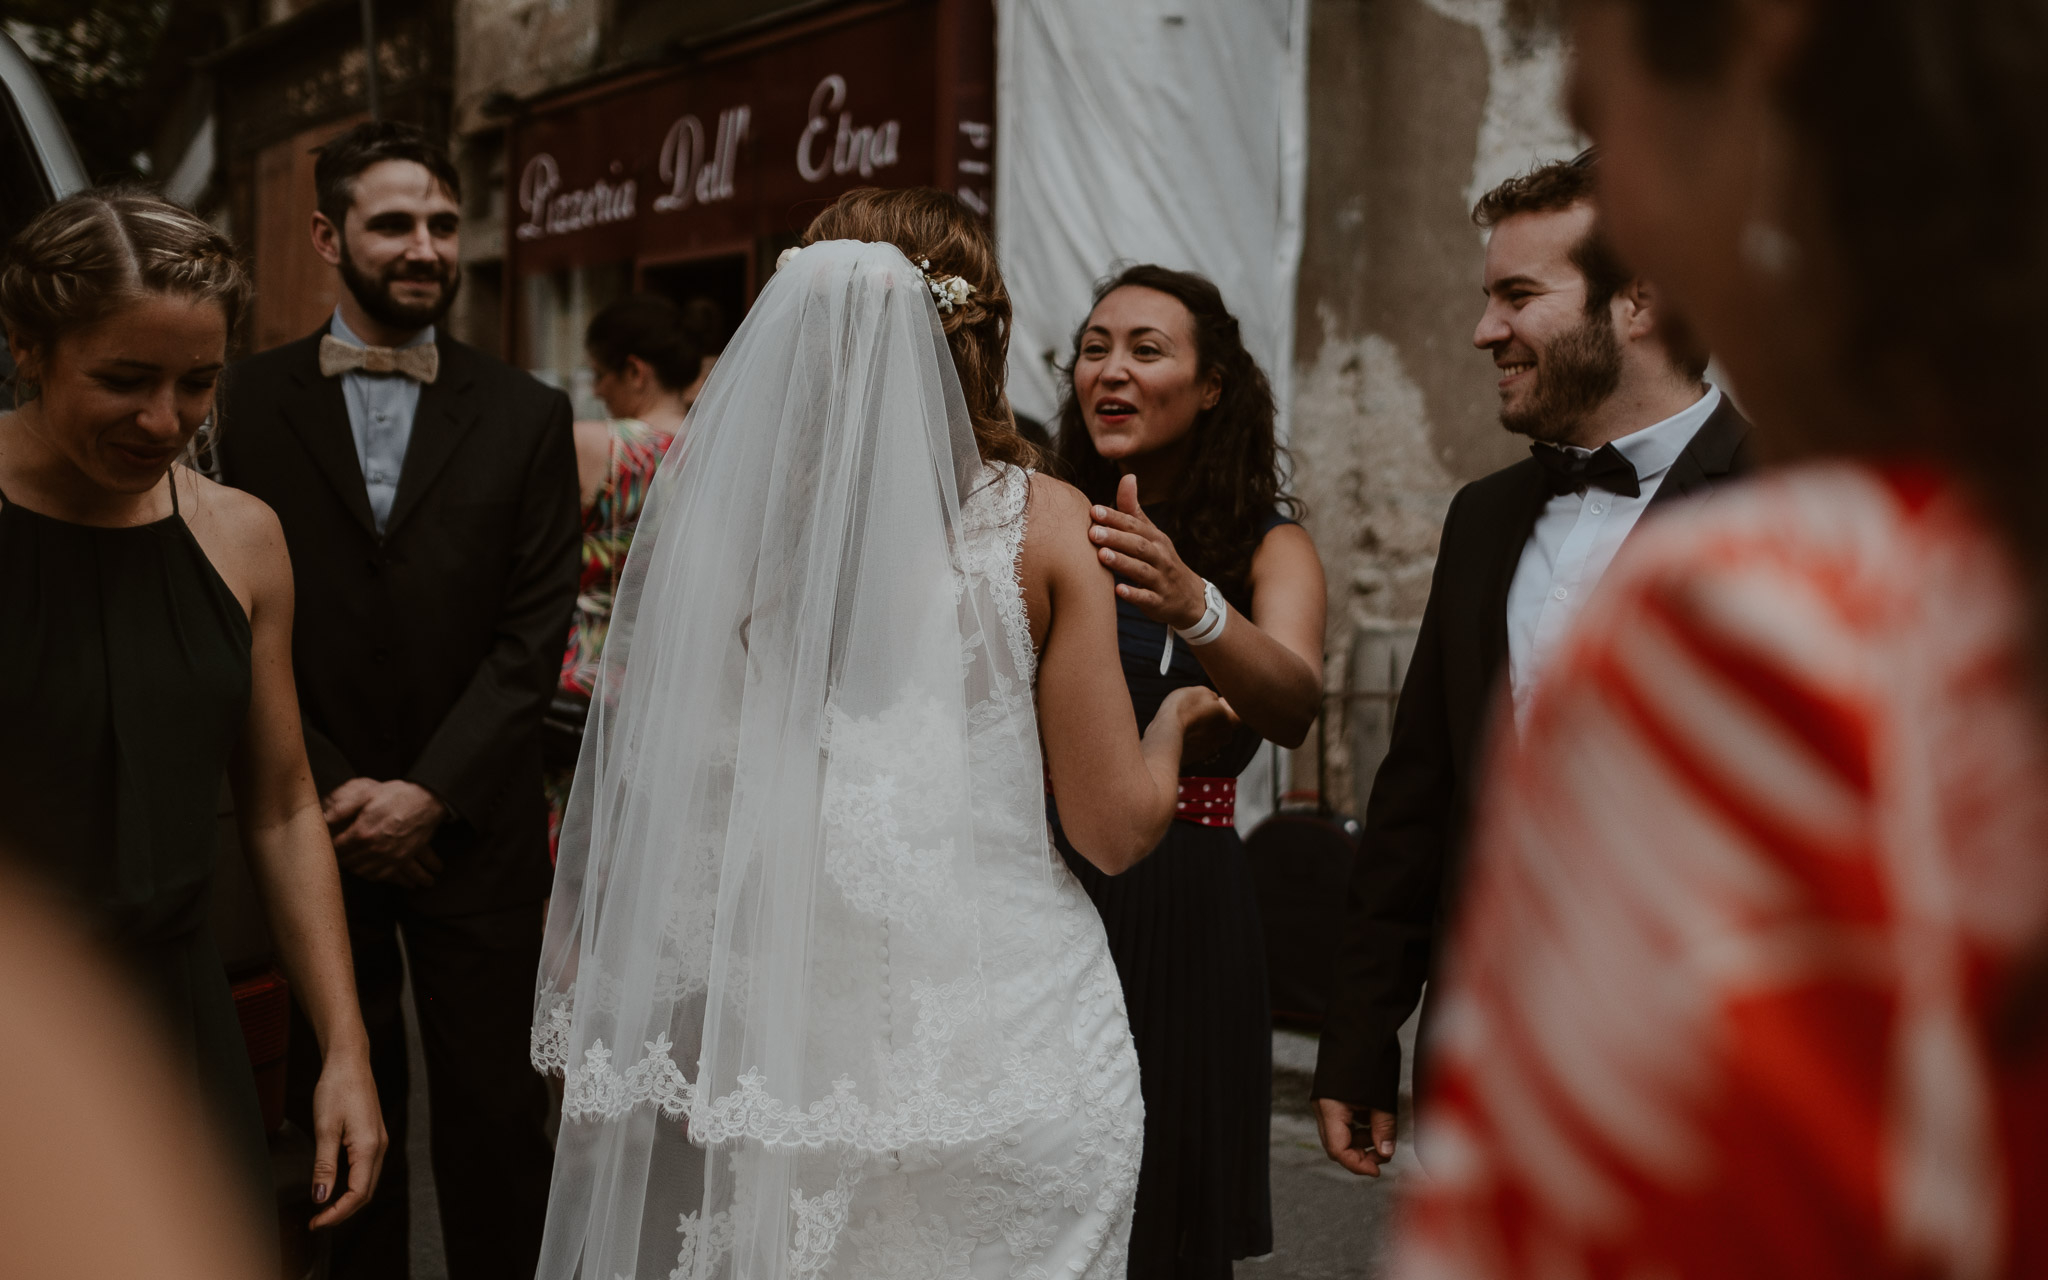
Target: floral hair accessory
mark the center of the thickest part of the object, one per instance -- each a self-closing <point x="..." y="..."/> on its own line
<point x="947" y="291"/>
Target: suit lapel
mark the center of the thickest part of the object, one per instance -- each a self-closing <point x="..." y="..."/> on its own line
<point x="319" y="416"/>
<point x="1519" y="515"/>
<point x="1716" y="451"/>
<point x="447" y="411"/>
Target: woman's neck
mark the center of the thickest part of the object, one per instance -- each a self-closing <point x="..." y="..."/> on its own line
<point x="1159" y="471"/>
<point x="664" y="413"/>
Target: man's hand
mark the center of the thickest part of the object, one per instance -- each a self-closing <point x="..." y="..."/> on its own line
<point x="342" y="804"/>
<point x="1341" y="1143"/>
<point x="385" y="829"/>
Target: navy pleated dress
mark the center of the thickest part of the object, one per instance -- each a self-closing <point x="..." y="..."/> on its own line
<point x="1184" y="930"/>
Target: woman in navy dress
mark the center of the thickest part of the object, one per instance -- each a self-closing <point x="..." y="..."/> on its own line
<point x="1167" y="426"/>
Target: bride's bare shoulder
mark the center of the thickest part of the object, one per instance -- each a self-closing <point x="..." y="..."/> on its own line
<point x="1057" y="553"/>
<point x="1055" y="510"/>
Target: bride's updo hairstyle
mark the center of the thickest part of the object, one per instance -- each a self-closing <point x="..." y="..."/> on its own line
<point x="91" y="253"/>
<point x="932" y="225"/>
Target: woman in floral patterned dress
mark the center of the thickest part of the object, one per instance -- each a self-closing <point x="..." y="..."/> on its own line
<point x="645" y="366"/>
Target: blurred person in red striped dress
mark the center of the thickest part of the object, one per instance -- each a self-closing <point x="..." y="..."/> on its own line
<point x="1750" y="979"/>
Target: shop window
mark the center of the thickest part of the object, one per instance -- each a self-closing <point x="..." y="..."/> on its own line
<point x="557" y="307"/>
<point x="295" y="289"/>
<point x="711" y="291"/>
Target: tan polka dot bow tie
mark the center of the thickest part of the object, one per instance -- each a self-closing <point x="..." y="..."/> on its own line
<point x="421" y="363"/>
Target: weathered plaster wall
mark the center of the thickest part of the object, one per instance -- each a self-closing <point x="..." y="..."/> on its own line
<point x="520" y="47"/>
<point x="1416" y="107"/>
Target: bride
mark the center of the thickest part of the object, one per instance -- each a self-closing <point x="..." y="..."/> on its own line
<point x="825" y="1001"/>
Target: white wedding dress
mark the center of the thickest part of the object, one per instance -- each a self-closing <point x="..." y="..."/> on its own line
<point x="825" y="1000"/>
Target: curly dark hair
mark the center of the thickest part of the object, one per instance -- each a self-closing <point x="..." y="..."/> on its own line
<point x="1233" y="478"/>
<point x="1557" y="186"/>
<point x="1553" y="188"/>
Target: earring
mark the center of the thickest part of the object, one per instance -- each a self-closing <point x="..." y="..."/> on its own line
<point x="1767" y="248"/>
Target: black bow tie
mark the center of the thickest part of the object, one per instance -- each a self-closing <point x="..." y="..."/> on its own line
<point x="1604" y="468"/>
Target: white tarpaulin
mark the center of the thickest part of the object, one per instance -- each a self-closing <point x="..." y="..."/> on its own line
<point x="1167" y="131"/>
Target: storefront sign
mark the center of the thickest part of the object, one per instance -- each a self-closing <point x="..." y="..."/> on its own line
<point x="694" y="175"/>
<point x="861" y="150"/>
<point x="750" y="143"/>
<point x="551" y="211"/>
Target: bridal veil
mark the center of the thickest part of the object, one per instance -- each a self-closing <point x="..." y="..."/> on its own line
<point x="809" y="783"/>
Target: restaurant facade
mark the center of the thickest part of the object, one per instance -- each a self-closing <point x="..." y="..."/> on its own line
<point x="688" y="180"/>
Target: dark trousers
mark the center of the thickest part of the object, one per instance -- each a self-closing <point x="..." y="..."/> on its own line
<point x="473" y="981"/>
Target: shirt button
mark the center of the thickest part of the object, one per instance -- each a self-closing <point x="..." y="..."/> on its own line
<point x="1597" y="508"/>
<point x="1560" y="593"/>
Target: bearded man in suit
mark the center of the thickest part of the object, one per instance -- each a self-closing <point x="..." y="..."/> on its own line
<point x="1612" y="393"/>
<point x="428" y="498"/>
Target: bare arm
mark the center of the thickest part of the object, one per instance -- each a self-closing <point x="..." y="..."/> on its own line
<point x="113" y="1170"/>
<point x="1268" y="666"/>
<point x="593" y="460"/>
<point x="289" y="853"/>
<point x="1116" y="790"/>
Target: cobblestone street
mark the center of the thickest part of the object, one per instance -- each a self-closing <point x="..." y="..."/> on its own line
<point x="1326" y="1223"/>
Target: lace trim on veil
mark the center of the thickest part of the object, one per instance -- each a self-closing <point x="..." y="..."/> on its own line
<point x="598" y="1088"/>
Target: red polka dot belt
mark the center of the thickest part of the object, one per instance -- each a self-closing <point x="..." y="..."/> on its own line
<point x="1208" y="802"/>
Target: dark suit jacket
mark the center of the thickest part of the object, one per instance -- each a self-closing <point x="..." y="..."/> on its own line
<point x="1404" y="885"/>
<point x="430" y="652"/>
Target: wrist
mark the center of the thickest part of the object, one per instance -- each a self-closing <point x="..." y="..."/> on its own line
<point x="1208" y="628"/>
<point x="344" y="1046"/>
<point x="432" y="805"/>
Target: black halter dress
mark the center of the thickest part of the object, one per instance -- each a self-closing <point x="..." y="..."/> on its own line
<point x="124" y="685"/>
<point x="1184" y="929"/>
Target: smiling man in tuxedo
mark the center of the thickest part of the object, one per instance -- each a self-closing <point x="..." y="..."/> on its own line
<point x="1612" y="393"/>
<point x="428" y="498"/>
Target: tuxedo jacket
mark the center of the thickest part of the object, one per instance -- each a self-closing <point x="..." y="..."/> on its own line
<point x="430" y="651"/>
<point x="1405" y="882"/>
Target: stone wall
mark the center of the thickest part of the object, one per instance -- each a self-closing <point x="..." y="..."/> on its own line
<point x="520" y="47"/>
<point x="1416" y="107"/>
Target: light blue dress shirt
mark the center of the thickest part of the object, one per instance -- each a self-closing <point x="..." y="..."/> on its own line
<point x="381" y="407"/>
<point x="1575" y="540"/>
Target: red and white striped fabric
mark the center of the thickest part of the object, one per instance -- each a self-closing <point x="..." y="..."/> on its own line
<point x="1746" y="896"/>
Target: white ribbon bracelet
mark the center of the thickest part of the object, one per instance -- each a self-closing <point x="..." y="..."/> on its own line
<point x="1208" y="630"/>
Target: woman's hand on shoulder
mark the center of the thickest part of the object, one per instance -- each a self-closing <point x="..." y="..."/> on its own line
<point x="1154" y="577"/>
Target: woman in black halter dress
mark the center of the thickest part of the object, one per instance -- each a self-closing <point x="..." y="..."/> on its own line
<point x="1216" y="587"/>
<point x="145" y="620"/>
